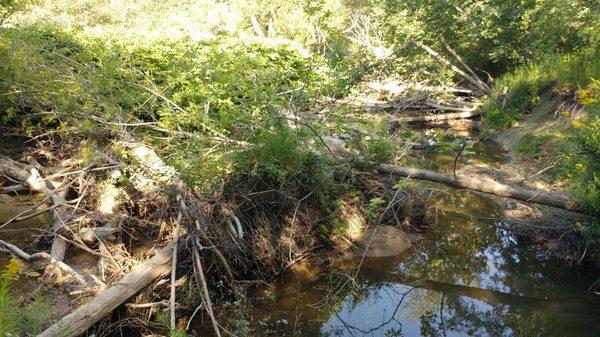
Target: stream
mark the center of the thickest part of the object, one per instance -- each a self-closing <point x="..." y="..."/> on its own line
<point x="467" y="277"/>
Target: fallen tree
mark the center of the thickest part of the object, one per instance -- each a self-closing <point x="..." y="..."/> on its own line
<point x="487" y="186"/>
<point x="77" y="322"/>
<point x="435" y="118"/>
<point x="473" y="80"/>
<point x="29" y="176"/>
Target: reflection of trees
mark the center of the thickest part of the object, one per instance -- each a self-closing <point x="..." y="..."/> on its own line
<point x="475" y="279"/>
<point x="452" y="251"/>
<point x="392" y="320"/>
<point x="468" y="277"/>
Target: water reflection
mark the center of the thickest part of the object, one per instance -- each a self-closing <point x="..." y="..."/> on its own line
<point x="467" y="278"/>
<point x="19" y="233"/>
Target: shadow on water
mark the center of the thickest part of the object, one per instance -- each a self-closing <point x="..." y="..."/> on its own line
<point x="19" y="233"/>
<point x="468" y="277"/>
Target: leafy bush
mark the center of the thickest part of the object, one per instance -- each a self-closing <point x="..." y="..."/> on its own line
<point x="10" y="7"/>
<point x="14" y="318"/>
<point x="283" y="160"/>
<point x="215" y="84"/>
<point x="495" y="35"/>
<point x="524" y="85"/>
<point x="586" y="172"/>
<point x="380" y="150"/>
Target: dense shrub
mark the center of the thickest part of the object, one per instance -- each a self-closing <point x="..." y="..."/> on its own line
<point x="524" y="85"/>
<point x="496" y="36"/>
<point x="17" y="319"/>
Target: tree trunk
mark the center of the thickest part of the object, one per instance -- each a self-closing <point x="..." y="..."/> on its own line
<point x="463" y="63"/>
<point x="435" y="118"/>
<point x="77" y="322"/>
<point x="474" y="81"/>
<point x="538" y="197"/>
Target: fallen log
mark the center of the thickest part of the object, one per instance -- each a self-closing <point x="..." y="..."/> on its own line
<point x="454" y="107"/>
<point x="43" y="257"/>
<point x="491" y="187"/>
<point x="435" y="118"/>
<point x="77" y="322"/>
<point x="13" y="189"/>
<point x="475" y="81"/>
<point x="464" y="64"/>
<point x="30" y="177"/>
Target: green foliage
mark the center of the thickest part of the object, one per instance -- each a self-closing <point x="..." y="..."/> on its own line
<point x="586" y="162"/>
<point x="211" y="85"/>
<point x="14" y="318"/>
<point x="10" y="7"/>
<point x="373" y="208"/>
<point x="499" y="119"/>
<point x="179" y="333"/>
<point x="161" y="321"/>
<point x="524" y="85"/>
<point x="283" y="160"/>
<point x="496" y="35"/>
<point x="380" y="150"/>
<point x="531" y="145"/>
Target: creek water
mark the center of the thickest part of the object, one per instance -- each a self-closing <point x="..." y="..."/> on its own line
<point x="19" y="233"/>
<point x="467" y="277"/>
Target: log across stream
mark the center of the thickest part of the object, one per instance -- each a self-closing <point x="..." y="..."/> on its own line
<point x="468" y="276"/>
<point x="481" y="185"/>
<point x="462" y="274"/>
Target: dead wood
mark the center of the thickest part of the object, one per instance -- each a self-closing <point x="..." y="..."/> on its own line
<point x="77" y="322"/>
<point x="13" y="189"/>
<point x="45" y="258"/>
<point x="91" y="235"/>
<point x="487" y="186"/>
<point x="453" y="107"/>
<point x="151" y="178"/>
<point x="464" y="64"/>
<point x="30" y="177"/>
<point x="202" y="280"/>
<point x="174" y="270"/>
<point x="476" y="82"/>
<point x="435" y="117"/>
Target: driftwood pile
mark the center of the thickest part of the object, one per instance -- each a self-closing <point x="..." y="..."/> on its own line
<point x="83" y="222"/>
<point x="423" y="103"/>
<point x="180" y="229"/>
<point x="149" y="209"/>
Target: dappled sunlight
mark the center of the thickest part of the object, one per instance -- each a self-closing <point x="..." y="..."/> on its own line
<point x="300" y="167"/>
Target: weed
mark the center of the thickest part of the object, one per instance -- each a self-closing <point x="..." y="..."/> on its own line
<point x="14" y="318"/>
<point x="531" y="145"/>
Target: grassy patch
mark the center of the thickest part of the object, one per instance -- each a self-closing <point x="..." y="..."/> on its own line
<point x="531" y="145"/>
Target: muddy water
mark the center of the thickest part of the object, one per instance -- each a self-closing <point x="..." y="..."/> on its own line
<point x="23" y="232"/>
<point x="20" y="234"/>
<point x="468" y="277"/>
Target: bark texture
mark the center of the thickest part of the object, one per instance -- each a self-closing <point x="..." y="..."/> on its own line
<point x="77" y="322"/>
<point x="538" y="197"/>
